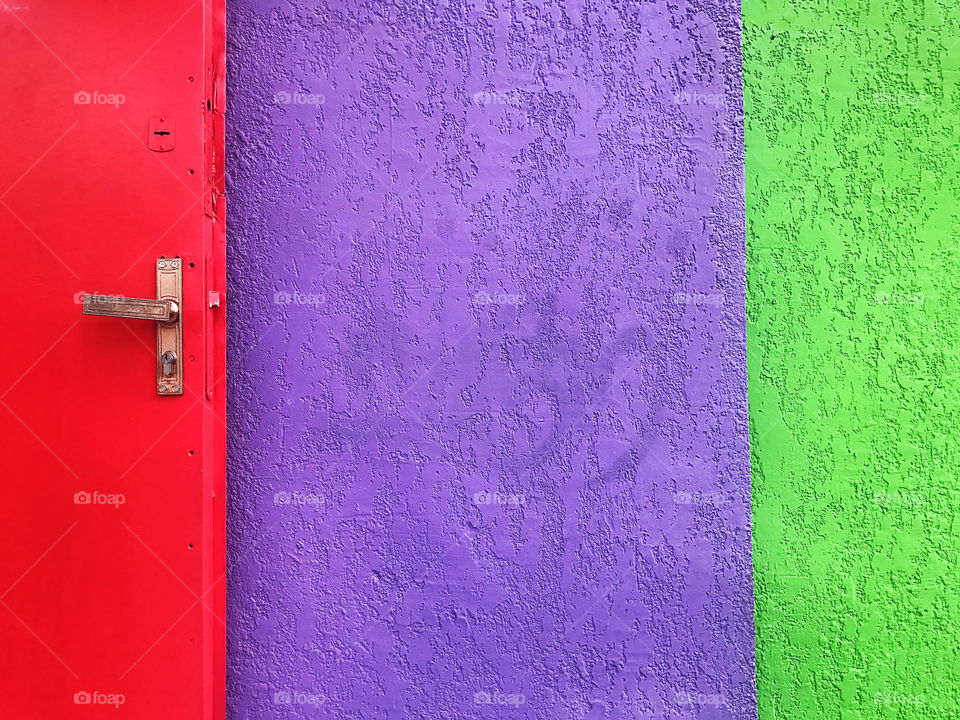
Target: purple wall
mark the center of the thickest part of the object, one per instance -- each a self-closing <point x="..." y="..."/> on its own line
<point x="488" y="400"/>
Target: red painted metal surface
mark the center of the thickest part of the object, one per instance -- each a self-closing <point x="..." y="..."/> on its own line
<point x="112" y="521"/>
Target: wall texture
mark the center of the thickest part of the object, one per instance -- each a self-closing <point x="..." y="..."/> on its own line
<point x="853" y="253"/>
<point x="488" y="401"/>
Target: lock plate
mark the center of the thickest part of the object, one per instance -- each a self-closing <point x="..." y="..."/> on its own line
<point x="160" y="133"/>
<point x="170" y="334"/>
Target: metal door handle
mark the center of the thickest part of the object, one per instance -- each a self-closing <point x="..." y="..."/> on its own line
<point x="135" y="308"/>
<point x="165" y="310"/>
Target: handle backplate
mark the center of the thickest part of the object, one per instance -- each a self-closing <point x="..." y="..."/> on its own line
<point x="170" y="334"/>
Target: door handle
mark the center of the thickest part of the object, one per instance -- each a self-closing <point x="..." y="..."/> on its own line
<point x="165" y="311"/>
<point x="135" y="308"/>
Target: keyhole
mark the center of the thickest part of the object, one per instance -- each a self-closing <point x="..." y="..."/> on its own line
<point x="169" y="361"/>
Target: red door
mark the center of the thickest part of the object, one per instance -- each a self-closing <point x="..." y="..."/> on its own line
<point x="112" y="422"/>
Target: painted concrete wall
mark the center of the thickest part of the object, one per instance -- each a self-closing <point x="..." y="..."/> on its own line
<point x="854" y="355"/>
<point x="487" y="388"/>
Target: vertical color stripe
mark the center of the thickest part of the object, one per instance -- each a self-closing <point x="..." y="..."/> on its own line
<point x="852" y="188"/>
<point x="490" y="429"/>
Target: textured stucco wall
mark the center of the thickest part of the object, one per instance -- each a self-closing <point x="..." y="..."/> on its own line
<point x="853" y="180"/>
<point x="483" y="248"/>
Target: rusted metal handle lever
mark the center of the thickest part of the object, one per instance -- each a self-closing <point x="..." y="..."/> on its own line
<point x="136" y="308"/>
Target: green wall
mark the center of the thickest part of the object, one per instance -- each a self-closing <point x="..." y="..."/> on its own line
<point x="853" y="268"/>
